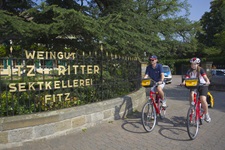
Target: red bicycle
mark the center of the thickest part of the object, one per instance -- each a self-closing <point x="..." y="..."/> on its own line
<point x="152" y="107"/>
<point x="195" y="113"/>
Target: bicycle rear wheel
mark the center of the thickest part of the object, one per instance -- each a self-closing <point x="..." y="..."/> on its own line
<point x="148" y="117"/>
<point x="192" y="123"/>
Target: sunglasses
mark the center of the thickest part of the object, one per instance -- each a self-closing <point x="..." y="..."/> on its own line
<point x="152" y="59"/>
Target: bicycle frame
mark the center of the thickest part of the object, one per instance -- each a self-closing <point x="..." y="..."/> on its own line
<point x="151" y="109"/>
<point x="197" y="102"/>
<point x="155" y="101"/>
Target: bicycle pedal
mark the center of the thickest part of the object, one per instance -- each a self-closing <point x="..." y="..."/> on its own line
<point x="164" y="107"/>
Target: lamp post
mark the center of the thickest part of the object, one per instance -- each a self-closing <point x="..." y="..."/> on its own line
<point x="11" y="49"/>
<point x="11" y="61"/>
<point x="101" y="48"/>
<point x="101" y="45"/>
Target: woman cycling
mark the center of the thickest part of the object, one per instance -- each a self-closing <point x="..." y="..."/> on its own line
<point x="197" y="72"/>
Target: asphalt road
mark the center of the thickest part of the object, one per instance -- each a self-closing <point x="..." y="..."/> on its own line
<point x="128" y="134"/>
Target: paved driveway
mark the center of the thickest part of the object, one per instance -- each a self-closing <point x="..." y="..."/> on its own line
<point x="128" y="134"/>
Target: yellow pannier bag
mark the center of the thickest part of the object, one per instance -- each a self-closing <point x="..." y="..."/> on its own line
<point x="191" y="83"/>
<point x="147" y="82"/>
<point x="210" y="100"/>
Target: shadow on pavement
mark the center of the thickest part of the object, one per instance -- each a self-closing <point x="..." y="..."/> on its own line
<point x="133" y="123"/>
<point x="174" y="128"/>
<point x="176" y="134"/>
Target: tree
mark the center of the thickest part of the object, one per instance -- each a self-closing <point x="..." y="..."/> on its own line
<point x="150" y="26"/>
<point x="16" y="7"/>
<point x="213" y="27"/>
<point x="125" y="27"/>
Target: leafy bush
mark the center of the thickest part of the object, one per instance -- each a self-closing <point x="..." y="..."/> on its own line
<point x="15" y="104"/>
<point x="2" y="50"/>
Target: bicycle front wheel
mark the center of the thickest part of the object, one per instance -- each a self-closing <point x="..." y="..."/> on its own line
<point x="192" y="123"/>
<point x="148" y="117"/>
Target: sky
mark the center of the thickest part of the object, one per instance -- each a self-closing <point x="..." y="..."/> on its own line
<point x="198" y="8"/>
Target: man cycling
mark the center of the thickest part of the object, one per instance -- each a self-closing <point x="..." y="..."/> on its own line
<point x="155" y="72"/>
<point x="197" y="72"/>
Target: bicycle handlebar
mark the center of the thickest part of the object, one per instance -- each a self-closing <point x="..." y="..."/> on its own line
<point x="200" y="84"/>
<point x="155" y="83"/>
<point x="197" y="87"/>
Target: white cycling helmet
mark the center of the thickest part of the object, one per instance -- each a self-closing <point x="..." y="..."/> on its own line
<point x="195" y="60"/>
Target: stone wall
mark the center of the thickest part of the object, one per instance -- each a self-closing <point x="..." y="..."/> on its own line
<point x="16" y="130"/>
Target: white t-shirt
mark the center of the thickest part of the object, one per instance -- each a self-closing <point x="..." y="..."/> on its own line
<point x="193" y="74"/>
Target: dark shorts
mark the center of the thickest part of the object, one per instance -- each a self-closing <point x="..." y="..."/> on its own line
<point x="203" y="90"/>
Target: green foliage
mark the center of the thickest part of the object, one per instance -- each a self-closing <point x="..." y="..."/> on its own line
<point x="2" y="50"/>
<point x="212" y="23"/>
<point x="16" y="7"/>
<point x="219" y="42"/>
<point x="15" y="104"/>
<point x="211" y="51"/>
<point x="125" y="27"/>
<point x="212" y="35"/>
<point x="55" y="103"/>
